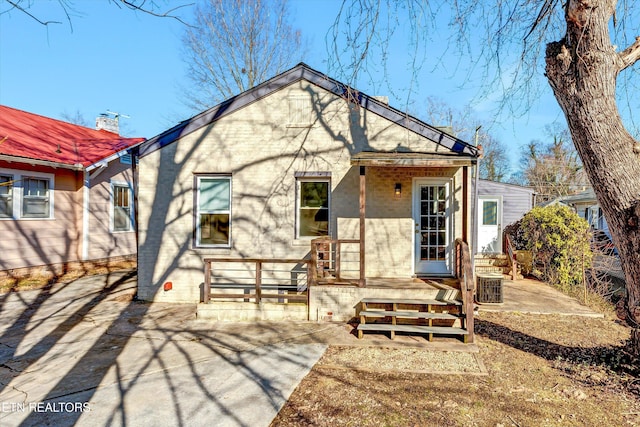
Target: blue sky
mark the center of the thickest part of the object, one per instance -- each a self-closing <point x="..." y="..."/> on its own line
<point x="119" y="60"/>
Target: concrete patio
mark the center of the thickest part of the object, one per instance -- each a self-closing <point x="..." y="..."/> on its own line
<point x="86" y="353"/>
<point x="535" y="297"/>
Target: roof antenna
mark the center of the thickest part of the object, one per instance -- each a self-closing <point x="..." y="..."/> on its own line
<point x="117" y="115"/>
<point x="58" y="150"/>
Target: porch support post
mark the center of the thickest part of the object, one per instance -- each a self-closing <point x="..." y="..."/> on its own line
<point x="465" y="204"/>
<point x="362" y="282"/>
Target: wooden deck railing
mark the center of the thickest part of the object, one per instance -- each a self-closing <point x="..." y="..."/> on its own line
<point x="511" y="254"/>
<point x="464" y="272"/>
<point x="331" y="260"/>
<point x="258" y="283"/>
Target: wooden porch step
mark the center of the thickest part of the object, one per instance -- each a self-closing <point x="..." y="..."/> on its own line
<point x="411" y="301"/>
<point x="392" y="326"/>
<point x="409" y="314"/>
<point x="414" y="329"/>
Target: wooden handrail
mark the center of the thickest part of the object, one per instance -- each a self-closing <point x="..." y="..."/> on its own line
<point x="464" y="272"/>
<point x="335" y="247"/>
<point x="262" y="260"/>
<point x="259" y="262"/>
<point x="513" y="261"/>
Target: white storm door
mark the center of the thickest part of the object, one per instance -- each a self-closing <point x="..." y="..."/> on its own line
<point x="432" y="214"/>
<point x="489" y="224"/>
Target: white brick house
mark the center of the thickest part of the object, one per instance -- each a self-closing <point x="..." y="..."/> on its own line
<point x="263" y="173"/>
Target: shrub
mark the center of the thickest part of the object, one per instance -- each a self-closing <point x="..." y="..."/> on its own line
<point x="559" y="241"/>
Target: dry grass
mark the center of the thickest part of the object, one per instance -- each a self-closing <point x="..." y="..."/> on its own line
<point x="41" y="280"/>
<point x="542" y="371"/>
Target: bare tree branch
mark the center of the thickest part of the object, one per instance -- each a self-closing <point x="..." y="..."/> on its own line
<point x="234" y="45"/>
<point x="16" y="5"/>
<point x="631" y="54"/>
<point x="66" y="6"/>
<point x="140" y="6"/>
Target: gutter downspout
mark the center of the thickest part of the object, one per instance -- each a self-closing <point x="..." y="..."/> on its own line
<point x="135" y="153"/>
<point x="474" y="237"/>
<point x="85" y="215"/>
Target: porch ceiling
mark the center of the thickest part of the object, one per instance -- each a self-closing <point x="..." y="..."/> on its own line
<point x="384" y="159"/>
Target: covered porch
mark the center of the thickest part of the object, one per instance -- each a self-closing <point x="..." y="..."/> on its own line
<point x="411" y="209"/>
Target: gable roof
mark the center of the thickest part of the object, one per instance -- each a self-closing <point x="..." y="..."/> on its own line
<point x="304" y="72"/>
<point x="586" y="196"/>
<point x="25" y="137"/>
<point x="506" y="185"/>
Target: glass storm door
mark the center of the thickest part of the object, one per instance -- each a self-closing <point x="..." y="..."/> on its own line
<point x="432" y="214"/>
<point x="489" y="232"/>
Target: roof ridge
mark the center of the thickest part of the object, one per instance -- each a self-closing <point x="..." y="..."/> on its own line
<point x="299" y="72"/>
<point x="47" y="118"/>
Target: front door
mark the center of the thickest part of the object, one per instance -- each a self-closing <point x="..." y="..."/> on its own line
<point x="432" y="215"/>
<point x="489" y="227"/>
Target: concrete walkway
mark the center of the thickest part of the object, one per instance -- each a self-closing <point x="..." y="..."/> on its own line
<point x="533" y="296"/>
<point x="85" y="354"/>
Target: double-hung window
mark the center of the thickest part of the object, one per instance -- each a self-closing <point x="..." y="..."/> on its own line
<point x="312" y="207"/>
<point x="122" y="212"/>
<point x="35" y="198"/>
<point x="6" y="196"/>
<point x="213" y="216"/>
<point x="26" y="195"/>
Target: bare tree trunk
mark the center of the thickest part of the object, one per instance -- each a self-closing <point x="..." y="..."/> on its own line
<point x="582" y="69"/>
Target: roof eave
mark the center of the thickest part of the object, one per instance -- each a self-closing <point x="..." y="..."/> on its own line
<point x="36" y="162"/>
<point x="113" y="157"/>
<point x="411" y="159"/>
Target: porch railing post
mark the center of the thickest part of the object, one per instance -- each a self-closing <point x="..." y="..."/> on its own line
<point x="465" y="275"/>
<point x="258" y="281"/>
<point x="313" y="271"/>
<point x="206" y="292"/>
<point x="512" y="258"/>
<point x="363" y="202"/>
<point x="337" y="259"/>
<point x="309" y="281"/>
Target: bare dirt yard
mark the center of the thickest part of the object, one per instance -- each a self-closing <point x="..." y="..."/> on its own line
<point x="537" y="370"/>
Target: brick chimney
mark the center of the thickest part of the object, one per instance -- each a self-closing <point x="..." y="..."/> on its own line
<point x="110" y="124"/>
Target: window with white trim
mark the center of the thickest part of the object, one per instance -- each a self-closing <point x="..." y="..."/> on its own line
<point x="26" y="195"/>
<point x="35" y="198"/>
<point x="213" y="211"/>
<point x="122" y="213"/>
<point x="6" y="196"/>
<point x="312" y="207"/>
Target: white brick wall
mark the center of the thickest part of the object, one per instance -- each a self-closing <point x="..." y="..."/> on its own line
<point x="262" y="153"/>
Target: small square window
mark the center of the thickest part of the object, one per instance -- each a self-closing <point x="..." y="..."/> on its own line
<point x="300" y="113"/>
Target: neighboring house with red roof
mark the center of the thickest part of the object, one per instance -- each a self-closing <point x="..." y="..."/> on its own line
<point x="66" y="193"/>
